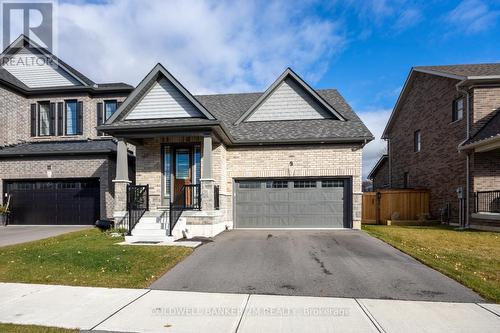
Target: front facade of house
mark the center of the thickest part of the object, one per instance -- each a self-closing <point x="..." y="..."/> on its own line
<point x="55" y="167"/>
<point x="286" y="158"/>
<point x="443" y="136"/>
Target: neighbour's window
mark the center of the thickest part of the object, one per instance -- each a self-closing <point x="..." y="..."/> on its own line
<point x="277" y="184"/>
<point x="332" y="183"/>
<point x="458" y="109"/>
<point x="304" y="183"/>
<point x="44" y="119"/>
<point x="109" y="108"/>
<point x="416" y="141"/>
<point x="71" y="118"/>
<point x="249" y="184"/>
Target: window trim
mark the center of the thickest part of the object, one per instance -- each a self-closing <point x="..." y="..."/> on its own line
<point x="454" y="109"/>
<point x="65" y="120"/>
<point x="38" y="127"/>
<point x="104" y="102"/>
<point x="417" y="141"/>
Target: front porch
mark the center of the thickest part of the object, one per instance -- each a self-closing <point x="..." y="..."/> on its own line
<point x="176" y="191"/>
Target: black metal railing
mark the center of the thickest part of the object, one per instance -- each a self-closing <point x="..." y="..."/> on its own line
<point x="487" y="202"/>
<point x="137" y="204"/>
<point x="188" y="198"/>
<point x="216" y="197"/>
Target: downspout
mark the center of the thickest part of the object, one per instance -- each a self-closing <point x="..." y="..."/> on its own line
<point x="467" y="157"/>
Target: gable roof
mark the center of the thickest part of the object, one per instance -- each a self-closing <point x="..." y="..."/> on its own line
<point x="227" y="108"/>
<point x="144" y="86"/>
<point x="288" y="73"/>
<point x="462" y="72"/>
<point x="382" y="160"/>
<point x="86" y="84"/>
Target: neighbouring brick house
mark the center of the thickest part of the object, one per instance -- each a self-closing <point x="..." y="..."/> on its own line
<point x="286" y="158"/>
<point x="54" y="165"/>
<point x="444" y="135"/>
<point x="379" y="175"/>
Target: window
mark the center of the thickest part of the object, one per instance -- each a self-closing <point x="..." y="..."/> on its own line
<point x="304" y="183"/>
<point x="182" y="164"/>
<point x="109" y="108"/>
<point x="332" y="183"/>
<point x="44" y="119"/>
<point x="277" y="184"/>
<point x="250" y="184"/>
<point x="197" y="164"/>
<point x="167" y="170"/>
<point x="71" y="118"/>
<point x="406" y="180"/>
<point x="458" y="109"/>
<point x="416" y="141"/>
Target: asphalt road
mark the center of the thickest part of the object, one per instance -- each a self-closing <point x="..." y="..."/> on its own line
<point x="15" y="234"/>
<point x="338" y="263"/>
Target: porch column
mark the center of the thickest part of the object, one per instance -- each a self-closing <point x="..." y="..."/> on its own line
<point x="207" y="181"/>
<point x="121" y="179"/>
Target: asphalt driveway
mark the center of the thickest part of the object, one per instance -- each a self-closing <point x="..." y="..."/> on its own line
<point x="340" y="263"/>
<point x="15" y="234"/>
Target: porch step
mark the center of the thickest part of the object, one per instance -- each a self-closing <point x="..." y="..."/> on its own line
<point x="148" y="232"/>
<point x="148" y="239"/>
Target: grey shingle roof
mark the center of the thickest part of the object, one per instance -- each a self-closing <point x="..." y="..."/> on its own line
<point x="489" y="130"/>
<point x="228" y="108"/>
<point x="60" y="148"/>
<point x="467" y="70"/>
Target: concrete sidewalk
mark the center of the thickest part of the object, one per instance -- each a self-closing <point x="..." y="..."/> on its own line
<point x="144" y="310"/>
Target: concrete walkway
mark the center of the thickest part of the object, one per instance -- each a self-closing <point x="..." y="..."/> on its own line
<point x="15" y="234"/>
<point x="144" y="310"/>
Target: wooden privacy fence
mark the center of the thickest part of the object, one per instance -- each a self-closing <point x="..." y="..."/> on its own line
<point x="394" y="204"/>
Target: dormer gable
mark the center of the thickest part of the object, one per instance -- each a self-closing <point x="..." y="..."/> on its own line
<point x="160" y="96"/>
<point x="36" y="67"/>
<point x="289" y="98"/>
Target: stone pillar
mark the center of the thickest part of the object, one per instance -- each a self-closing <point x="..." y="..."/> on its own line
<point x="207" y="181"/>
<point x="121" y="181"/>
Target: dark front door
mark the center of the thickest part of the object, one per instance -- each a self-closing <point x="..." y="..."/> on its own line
<point x="58" y="202"/>
<point x="183" y="164"/>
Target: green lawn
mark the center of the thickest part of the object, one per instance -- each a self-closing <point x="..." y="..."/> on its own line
<point x="470" y="257"/>
<point x="13" y="328"/>
<point x="87" y="258"/>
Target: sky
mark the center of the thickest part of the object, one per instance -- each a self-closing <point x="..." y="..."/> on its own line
<point x="363" y="48"/>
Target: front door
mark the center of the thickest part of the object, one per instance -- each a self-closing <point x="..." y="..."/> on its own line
<point x="183" y="165"/>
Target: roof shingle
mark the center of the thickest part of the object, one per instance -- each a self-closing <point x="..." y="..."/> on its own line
<point x="60" y="147"/>
<point x="467" y="70"/>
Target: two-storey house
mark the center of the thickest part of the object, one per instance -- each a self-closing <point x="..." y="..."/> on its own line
<point x="444" y="135"/>
<point x="55" y="167"/>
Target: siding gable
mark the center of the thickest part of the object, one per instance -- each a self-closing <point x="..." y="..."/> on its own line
<point x="289" y="101"/>
<point x="163" y="100"/>
<point x="35" y="72"/>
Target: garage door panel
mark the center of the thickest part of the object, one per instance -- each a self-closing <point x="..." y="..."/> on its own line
<point x="290" y="204"/>
<point x="61" y="202"/>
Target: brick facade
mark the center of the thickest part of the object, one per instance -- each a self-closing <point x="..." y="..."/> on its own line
<point x="97" y="166"/>
<point x="381" y="176"/>
<point x="15" y="114"/>
<point x="230" y="163"/>
<point x="440" y="166"/>
<point x="15" y="124"/>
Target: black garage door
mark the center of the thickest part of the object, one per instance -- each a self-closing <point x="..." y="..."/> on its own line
<point x="57" y="202"/>
<point x="298" y="203"/>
